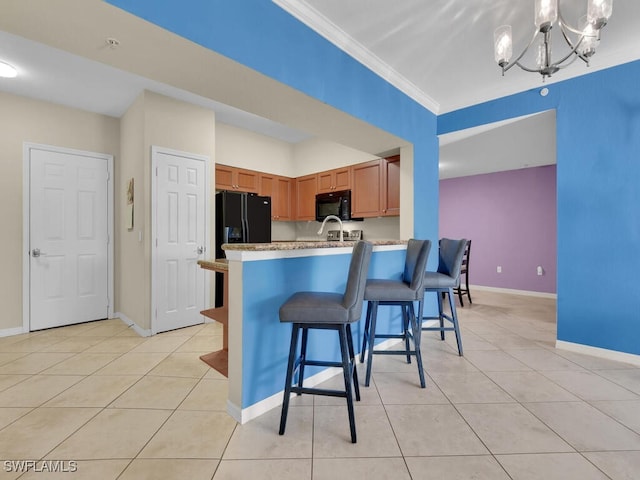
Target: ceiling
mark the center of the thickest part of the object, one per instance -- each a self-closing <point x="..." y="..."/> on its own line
<point x="439" y="52"/>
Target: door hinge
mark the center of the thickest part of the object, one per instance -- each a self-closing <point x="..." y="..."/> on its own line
<point x="108" y="176"/>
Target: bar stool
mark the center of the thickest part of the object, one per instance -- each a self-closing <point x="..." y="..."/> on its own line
<point x="443" y="282"/>
<point x="403" y="293"/>
<point x="334" y="311"/>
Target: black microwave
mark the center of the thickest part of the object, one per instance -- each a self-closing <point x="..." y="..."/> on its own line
<point x="333" y="203"/>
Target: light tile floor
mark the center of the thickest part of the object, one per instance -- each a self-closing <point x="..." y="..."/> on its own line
<point x="514" y="407"/>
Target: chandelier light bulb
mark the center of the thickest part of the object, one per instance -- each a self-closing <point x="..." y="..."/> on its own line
<point x="7" y="71"/>
<point x="599" y="12"/>
<point x="546" y="14"/>
<point x="503" y="44"/>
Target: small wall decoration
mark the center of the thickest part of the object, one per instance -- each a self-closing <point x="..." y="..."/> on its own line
<point x="129" y="213"/>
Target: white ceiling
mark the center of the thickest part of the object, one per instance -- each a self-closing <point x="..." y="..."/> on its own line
<point x="439" y="52"/>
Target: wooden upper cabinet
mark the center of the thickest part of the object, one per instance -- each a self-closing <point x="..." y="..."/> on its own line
<point x="375" y="188"/>
<point x="305" y="195"/>
<point x="233" y="178"/>
<point x="280" y="190"/>
<point x="391" y="188"/>
<point x="366" y="188"/>
<point x="334" y="180"/>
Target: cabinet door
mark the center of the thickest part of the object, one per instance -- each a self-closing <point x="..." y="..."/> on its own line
<point x="224" y="177"/>
<point x="325" y="181"/>
<point x="306" y="197"/>
<point x="366" y="189"/>
<point x="268" y="189"/>
<point x="282" y="198"/>
<point x="342" y="179"/>
<point x="247" y="180"/>
<point x="334" y="180"/>
<point x="391" y="190"/>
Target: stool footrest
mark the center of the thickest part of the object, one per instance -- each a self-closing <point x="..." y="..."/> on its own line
<point x="320" y="363"/>
<point x="389" y="335"/>
<point x="394" y="352"/>
<point x="319" y="391"/>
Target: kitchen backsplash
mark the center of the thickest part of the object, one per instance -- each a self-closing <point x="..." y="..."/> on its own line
<point x="382" y="228"/>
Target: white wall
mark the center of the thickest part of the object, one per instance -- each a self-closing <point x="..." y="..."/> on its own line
<point x="152" y="120"/>
<point x="316" y="155"/>
<point x="241" y="148"/>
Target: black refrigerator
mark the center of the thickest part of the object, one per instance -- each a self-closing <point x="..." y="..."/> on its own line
<point x="240" y="218"/>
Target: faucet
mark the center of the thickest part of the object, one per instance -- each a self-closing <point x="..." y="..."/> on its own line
<point x="331" y="217"/>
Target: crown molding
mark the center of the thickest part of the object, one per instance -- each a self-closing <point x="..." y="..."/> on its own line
<point x="327" y="29"/>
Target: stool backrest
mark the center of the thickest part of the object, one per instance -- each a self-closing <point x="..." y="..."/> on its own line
<point x="357" y="280"/>
<point x="451" y="253"/>
<point x="416" y="263"/>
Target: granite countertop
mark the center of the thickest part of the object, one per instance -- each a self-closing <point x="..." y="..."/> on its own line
<point x="301" y="245"/>
<point x="217" y="264"/>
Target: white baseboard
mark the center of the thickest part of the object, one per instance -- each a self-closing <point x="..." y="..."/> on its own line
<point x="514" y="291"/>
<point x="599" y="352"/>
<point x="9" y="332"/>
<point x="130" y="323"/>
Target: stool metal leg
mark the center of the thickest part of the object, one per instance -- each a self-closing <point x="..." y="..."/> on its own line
<point x="405" y="331"/>
<point x="303" y="356"/>
<point x="352" y="359"/>
<point x="289" y="377"/>
<point x="416" y="332"/>
<point x="367" y="332"/>
<point x="372" y="336"/>
<point x="454" y="318"/>
<point x="348" y="379"/>
<point x="440" y="314"/>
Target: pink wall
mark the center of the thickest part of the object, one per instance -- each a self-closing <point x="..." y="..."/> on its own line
<point x="511" y="219"/>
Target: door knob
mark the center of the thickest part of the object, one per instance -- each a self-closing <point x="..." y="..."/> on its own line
<point x="200" y="250"/>
<point x="37" y="253"/>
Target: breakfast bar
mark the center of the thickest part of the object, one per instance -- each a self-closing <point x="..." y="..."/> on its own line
<point x="260" y="278"/>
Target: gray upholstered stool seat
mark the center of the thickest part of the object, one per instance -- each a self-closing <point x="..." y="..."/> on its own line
<point x="315" y="307"/>
<point x="327" y="311"/>
<point x="403" y="293"/>
<point x="439" y="280"/>
<point x="443" y="282"/>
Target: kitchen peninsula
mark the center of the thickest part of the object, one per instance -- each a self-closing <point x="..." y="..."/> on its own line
<point x="261" y="277"/>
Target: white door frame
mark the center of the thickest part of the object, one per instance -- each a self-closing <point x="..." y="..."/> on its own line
<point x="26" y="223"/>
<point x="154" y="232"/>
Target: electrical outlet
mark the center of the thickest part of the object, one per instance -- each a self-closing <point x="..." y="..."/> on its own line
<point x="539" y="270"/>
<point x="499" y="269"/>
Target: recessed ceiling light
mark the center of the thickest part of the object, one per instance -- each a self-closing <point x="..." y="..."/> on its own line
<point x="7" y="71"/>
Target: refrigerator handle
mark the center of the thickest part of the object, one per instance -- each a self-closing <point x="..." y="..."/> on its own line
<point x="245" y="223"/>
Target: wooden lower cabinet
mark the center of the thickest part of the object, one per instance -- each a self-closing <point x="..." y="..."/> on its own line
<point x="305" y="195"/>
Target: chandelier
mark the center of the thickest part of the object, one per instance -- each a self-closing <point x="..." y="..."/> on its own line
<point x="582" y="41"/>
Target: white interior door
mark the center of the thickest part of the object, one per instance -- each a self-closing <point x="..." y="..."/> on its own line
<point x="181" y="235"/>
<point x="68" y="238"/>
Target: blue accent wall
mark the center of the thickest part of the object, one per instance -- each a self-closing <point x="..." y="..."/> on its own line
<point x="265" y="341"/>
<point x="598" y="196"/>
